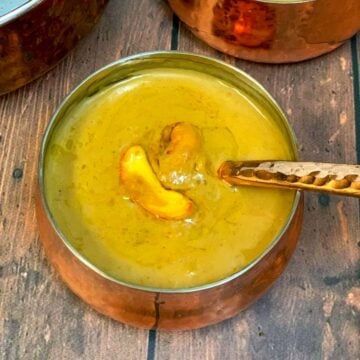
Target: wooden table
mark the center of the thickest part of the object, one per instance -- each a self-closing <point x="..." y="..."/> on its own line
<point x="313" y="311"/>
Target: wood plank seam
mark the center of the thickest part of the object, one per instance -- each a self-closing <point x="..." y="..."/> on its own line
<point x="151" y="345"/>
<point x="175" y="33"/>
<point x="356" y="80"/>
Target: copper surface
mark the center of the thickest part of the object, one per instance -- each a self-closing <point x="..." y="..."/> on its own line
<point x="265" y="31"/>
<point x="32" y="42"/>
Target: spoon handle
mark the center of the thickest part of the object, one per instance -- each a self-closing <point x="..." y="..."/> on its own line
<point x="324" y="177"/>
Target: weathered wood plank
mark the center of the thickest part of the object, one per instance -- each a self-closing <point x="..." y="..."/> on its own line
<point x="39" y="316"/>
<point x="310" y="313"/>
<point x="356" y="77"/>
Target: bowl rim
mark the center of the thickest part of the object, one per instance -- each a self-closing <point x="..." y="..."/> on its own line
<point x="53" y="122"/>
<point x="285" y="2"/>
<point x="19" y="11"/>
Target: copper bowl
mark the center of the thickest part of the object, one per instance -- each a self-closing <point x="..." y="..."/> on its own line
<point x="271" y="31"/>
<point x="36" y="35"/>
<point x="153" y="308"/>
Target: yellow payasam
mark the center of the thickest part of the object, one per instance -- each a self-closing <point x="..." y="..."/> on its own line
<point x="110" y="221"/>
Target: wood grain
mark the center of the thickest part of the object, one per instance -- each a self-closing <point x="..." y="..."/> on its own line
<point x="307" y="315"/>
<point x="355" y="42"/>
<point x="40" y="317"/>
<point x="311" y="313"/>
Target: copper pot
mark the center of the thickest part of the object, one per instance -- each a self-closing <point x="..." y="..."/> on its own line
<point x="37" y="34"/>
<point x="271" y="31"/>
<point x="146" y="307"/>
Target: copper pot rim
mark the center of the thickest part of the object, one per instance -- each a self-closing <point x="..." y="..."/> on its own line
<point x="285" y="2"/>
<point x="19" y="11"/>
<point x="152" y="55"/>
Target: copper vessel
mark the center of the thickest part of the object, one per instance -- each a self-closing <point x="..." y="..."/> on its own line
<point x="153" y="308"/>
<point x="271" y="31"/>
<point x="36" y="34"/>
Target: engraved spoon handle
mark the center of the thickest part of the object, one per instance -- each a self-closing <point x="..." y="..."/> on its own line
<point x="324" y="177"/>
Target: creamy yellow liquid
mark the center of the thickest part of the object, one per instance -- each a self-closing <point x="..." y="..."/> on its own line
<point x="229" y="227"/>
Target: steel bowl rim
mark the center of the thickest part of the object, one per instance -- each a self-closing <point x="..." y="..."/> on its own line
<point x="19" y="11"/>
<point x="85" y="261"/>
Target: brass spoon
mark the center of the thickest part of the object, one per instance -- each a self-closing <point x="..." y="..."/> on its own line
<point x="338" y="179"/>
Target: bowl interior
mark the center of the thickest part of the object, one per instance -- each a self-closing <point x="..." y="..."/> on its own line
<point x="129" y="67"/>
